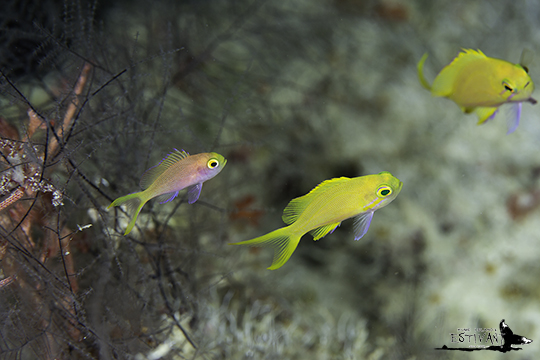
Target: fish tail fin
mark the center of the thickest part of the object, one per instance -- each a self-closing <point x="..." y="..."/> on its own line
<point x="420" y="68"/>
<point x="283" y="241"/>
<point x="134" y="203"/>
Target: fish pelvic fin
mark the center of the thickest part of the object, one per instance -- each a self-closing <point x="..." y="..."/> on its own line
<point x="283" y="241"/>
<point x="420" y="69"/>
<point x="134" y="203"/>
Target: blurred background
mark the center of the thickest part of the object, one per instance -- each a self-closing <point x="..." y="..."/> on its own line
<point x="291" y="93"/>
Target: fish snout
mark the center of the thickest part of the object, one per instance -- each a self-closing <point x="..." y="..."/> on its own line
<point x="397" y="190"/>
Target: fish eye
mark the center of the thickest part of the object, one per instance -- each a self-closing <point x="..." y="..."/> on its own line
<point x="508" y="87"/>
<point x="384" y="191"/>
<point x="212" y="163"/>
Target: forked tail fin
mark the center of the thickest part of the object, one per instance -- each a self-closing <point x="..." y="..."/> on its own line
<point x="420" y="69"/>
<point x="134" y="203"/>
<point x="283" y="241"/>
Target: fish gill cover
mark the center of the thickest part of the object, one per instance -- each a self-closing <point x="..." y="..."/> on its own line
<point x="291" y="94"/>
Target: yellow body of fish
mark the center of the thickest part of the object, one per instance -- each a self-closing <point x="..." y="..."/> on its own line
<point x="481" y="84"/>
<point x="323" y="209"/>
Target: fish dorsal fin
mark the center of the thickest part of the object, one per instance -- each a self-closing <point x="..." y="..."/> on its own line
<point x="444" y="82"/>
<point x="154" y="172"/>
<point x="298" y="205"/>
<point x="468" y="53"/>
<point x="526" y="59"/>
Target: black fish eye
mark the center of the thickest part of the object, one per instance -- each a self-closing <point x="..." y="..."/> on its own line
<point x="212" y="163"/>
<point x="384" y="191"/>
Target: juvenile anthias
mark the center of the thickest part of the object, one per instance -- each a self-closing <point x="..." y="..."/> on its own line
<point x="177" y="171"/>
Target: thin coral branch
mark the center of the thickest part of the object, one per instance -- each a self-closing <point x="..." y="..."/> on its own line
<point x="14" y="197"/>
<point x="33" y="124"/>
<point x="72" y="108"/>
<point x="5" y="282"/>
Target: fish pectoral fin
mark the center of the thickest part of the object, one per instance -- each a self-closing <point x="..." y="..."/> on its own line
<point x="361" y="224"/>
<point x="513" y="117"/>
<point x="322" y="231"/>
<point x="194" y="192"/>
<point x="165" y="198"/>
<point x="485" y="113"/>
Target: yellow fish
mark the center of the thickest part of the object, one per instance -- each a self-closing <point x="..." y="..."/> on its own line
<point x="481" y="84"/>
<point x="323" y="209"/>
<point x="177" y="171"/>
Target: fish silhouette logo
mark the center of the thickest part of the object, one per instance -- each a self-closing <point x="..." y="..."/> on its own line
<point x="510" y="338"/>
<point x="478" y="339"/>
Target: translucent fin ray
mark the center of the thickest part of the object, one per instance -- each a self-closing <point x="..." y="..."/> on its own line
<point x="134" y="203"/>
<point x="154" y="172"/>
<point x="165" y="198"/>
<point x="194" y="192"/>
<point x="361" y="224"/>
<point x="297" y="206"/>
<point x="280" y="240"/>
<point x="322" y="231"/>
<point x="512" y="119"/>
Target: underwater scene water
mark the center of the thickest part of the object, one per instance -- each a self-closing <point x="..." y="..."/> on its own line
<point x="247" y="111"/>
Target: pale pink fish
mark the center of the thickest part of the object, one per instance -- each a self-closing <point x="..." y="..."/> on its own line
<point x="177" y="171"/>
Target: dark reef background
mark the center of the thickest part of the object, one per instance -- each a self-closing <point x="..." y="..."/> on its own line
<point x="291" y="93"/>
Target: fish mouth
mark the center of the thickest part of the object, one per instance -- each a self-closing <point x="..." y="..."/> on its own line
<point x="400" y="185"/>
